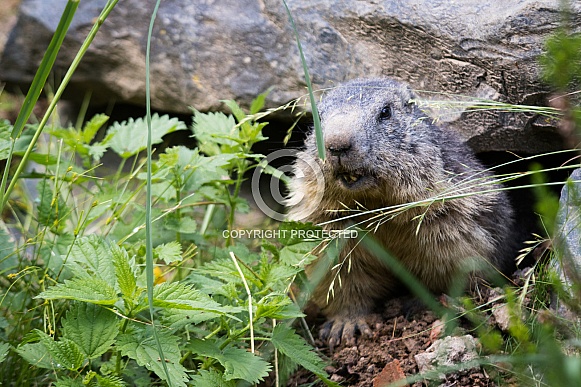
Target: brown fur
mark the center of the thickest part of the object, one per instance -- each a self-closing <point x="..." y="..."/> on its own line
<point x="392" y="154"/>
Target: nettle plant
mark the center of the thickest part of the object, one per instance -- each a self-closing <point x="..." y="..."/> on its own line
<point x="75" y="304"/>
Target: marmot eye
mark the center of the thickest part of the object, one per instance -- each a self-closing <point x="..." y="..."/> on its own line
<point x="385" y="113"/>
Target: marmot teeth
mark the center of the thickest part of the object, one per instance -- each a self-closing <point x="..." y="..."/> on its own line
<point x="349" y="178"/>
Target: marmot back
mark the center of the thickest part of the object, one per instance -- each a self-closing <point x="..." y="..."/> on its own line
<point x="382" y="151"/>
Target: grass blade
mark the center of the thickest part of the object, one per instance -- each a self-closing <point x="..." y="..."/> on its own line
<point x="45" y="67"/>
<point x="316" y="119"/>
<point x="148" y="199"/>
<point x="38" y="84"/>
<point x="4" y="195"/>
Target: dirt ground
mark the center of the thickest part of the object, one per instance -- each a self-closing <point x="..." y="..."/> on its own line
<point x="399" y="334"/>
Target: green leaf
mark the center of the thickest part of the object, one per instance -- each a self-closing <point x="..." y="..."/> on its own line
<point x="187" y="170"/>
<point x="183" y="225"/>
<point x="236" y="110"/>
<point x="52" y="210"/>
<point x="5" y="141"/>
<point x="292" y="345"/>
<point x="9" y="261"/>
<point x="109" y="381"/>
<point x="97" y="150"/>
<point x="68" y="382"/>
<point x="206" y="170"/>
<point x="125" y="274"/>
<point x="258" y="102"/>
<point x="179" y="318"/>
<point x="561" y="61"/>
<point x="64" y="353"/>
<point x="297" y="242"/>
<point x="36" y="354"/>
<point x="130" y="137"/>
<point x="169" y="252"/>
<point x="140" y="345"/>
<point x="92" y="256"/>
<point x="278" y="276"/>
<point x="4" y="348"/>
<point x="211" y="378"/>
<point x="299" y="254"/>
<point x="91" y="128"/>
<point x="177" y="295"/>
<point x="90" y="289"/>
<point x="91" y="327"/>
<point x="42" y="158"/>
<point x="213" y="130"/>
<point x="291" y="233"/>
<point x="279" y="307"/>
<point x="238" y="363"/>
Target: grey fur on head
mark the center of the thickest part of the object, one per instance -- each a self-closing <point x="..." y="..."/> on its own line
<point x="383" y="151"/>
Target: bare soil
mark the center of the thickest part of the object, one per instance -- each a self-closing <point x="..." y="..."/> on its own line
<point x="400" y="332"/>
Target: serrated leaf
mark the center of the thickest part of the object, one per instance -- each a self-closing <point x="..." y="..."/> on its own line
<point x="91" y="327"/>
<point x="64" y="353"/>
<point x="299" y="254"/>
<point x="109" y="381"/>
<point x="4" y="348"/>
<point x="92" y="256"/>
<point x="277" y="277"/>
<point x="36" y="354"/>
<point x="183" y="225"/>
<point x="212" y="130"/>
<point x="130" y="137"/>
<point x="179" y="318"/>
<point x="140" y="345"/>
<point x="190" y="169"/>
<point x="68" y="382"/>
<point x="88" y="289"/>
<point x="178" y="295"/>
<point x="126" y="278"/>
<point x="169" y="252"/>
<point x="97" y="150"/>
<point x="5" y="142"/>
<point x="207" y="170"/>
<point x="238" y="363"/>
<point x="139" y="376"/>
<point x="91" y="127"/>
<point x="292" y="345"/>
<point x="279" y="307"/>
<point x="211" y="378"/>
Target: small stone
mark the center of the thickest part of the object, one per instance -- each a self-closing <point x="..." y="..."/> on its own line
<point x="448" y="351"/>
<point x="391" y="373"/>
<point x="501" y="314"/>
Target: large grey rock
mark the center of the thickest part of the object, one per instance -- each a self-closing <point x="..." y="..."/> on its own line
<point x="207" y="50"/>
<point x="568" y="235"/>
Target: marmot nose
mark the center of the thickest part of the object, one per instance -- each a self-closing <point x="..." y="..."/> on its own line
<point x="339" y="149"/>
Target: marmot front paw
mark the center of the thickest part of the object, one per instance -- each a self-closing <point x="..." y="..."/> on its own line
<point x="342" y="329"/>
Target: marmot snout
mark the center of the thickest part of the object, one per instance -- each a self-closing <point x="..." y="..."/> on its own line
<point x="383" y="151"/>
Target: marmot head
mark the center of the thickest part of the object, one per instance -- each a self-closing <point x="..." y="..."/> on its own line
<point x="379" y="144"/>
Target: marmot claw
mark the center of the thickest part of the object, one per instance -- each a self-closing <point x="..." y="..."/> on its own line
<point x="342" y="330"/>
